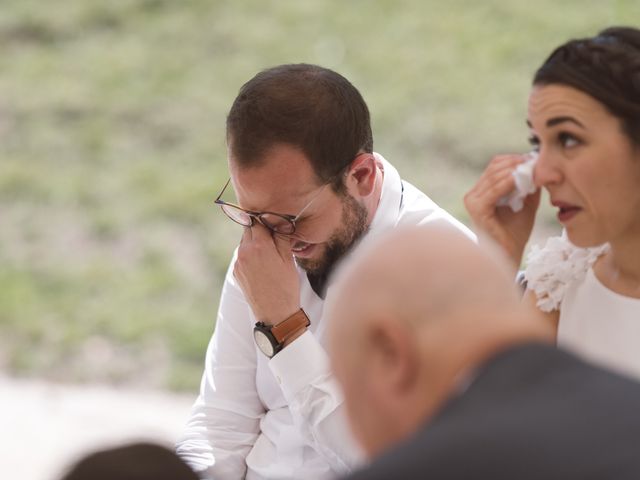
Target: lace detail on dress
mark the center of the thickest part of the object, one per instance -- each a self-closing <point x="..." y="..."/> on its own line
<point x="552" y="268"/>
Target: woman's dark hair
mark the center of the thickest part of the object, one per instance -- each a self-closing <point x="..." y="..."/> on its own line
<point x="309" y="107"/>
<point x="606" y="67"/>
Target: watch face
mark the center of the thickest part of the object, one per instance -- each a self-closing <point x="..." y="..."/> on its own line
<point x="263" y="343"/>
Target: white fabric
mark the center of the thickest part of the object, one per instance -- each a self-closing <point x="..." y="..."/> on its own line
<point x="523" y="178"/>
<point x="596" y="323"/>
<point x="601" y="325"/>
<point x="282" y="418"/>
<point x="554" y="267"/>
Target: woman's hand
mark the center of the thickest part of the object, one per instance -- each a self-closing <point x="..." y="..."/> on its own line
<point x="511" y="230"/>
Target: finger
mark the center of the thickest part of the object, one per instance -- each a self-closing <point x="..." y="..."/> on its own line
<point x="498" y="183"/>
<point x="247" y="235"/>
<point x="511" y="159"/>
<point x="261" y="234"/>
<point x="500" y="164"/>
<point x="490" y="192"/>
<point x="499" y="188"/>
<point x="493" y="174"/>
<point x="283" y="245"/>
<point x="499" y="168"/>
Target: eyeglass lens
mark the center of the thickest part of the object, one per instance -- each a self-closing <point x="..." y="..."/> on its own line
<point x="272" y="221"/>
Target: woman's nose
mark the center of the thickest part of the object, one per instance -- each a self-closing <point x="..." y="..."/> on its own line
<point x="546" y="171"/>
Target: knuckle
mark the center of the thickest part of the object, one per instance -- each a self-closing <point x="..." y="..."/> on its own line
<point x="243" y="254"/>
<point x="258" y="247"/>
<point x="497" y="189"/>
<point x="468" y="199"/>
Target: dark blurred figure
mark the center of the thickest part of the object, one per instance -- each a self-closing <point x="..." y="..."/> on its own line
<point x="138" y="461"/>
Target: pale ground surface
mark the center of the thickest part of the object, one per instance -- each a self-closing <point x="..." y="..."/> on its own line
<point x="45" y="426"/>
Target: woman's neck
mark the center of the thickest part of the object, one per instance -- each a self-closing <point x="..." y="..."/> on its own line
<point x="619" y="268"/>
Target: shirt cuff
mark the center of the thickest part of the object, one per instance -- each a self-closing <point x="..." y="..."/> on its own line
<point x="299" y="364"/>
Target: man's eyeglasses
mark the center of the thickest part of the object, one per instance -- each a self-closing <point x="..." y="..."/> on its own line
<point x="276" y="222"/>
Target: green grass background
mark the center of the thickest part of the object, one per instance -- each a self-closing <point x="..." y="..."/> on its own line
<point x="112" y="148"/>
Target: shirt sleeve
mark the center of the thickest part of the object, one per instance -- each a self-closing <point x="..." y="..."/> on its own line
<point x="225" y="419"/>
<point x="315" y="400"/>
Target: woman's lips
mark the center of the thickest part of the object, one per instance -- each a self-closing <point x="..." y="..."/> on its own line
<point x="302" y="249"/>
<point x="566" y="214"/>
<point x="567" y="211"/>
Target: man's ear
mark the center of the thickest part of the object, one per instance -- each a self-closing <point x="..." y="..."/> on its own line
<point x="362" y="174"/>
<point x="394" y="355"/>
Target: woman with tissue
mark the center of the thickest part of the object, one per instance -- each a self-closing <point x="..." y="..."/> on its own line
<point x="584" y="119"/>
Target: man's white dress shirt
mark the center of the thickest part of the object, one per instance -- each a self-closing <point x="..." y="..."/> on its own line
<point x="281" y="418"/>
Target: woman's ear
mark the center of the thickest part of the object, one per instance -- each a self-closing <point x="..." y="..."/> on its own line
<point x="362" y="174"/>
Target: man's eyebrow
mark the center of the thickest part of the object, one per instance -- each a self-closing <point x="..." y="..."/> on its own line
<point x="552" y="122"/>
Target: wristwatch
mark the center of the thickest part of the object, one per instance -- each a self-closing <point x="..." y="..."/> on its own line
<point x="270" y="339"/>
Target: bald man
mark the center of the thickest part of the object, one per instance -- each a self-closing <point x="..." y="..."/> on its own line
<point x="447" y="375"/>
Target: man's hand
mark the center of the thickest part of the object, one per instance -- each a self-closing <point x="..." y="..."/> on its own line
<point x="266" y="272"/>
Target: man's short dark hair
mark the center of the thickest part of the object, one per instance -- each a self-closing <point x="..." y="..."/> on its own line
<point x="306" y="106"/>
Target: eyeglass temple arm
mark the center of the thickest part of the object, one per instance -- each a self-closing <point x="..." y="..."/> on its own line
<point x="223" y="189"/>
<point x="310" y="202"/>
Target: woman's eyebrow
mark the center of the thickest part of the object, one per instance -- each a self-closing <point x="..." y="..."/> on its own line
<point x="557" y="120"/>
<point x="552" y="122"/>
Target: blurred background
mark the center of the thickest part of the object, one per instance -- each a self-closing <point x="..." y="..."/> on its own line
<point x="112" y="150"/>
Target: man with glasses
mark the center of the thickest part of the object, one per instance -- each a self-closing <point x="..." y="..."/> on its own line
<point x="308" y="190"/>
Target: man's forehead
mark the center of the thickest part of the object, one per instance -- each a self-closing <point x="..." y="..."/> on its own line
<point x="274" y="183"/>
<point x="281" y="162"/>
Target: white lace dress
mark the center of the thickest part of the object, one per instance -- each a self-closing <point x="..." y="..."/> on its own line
<point x="595" y="322"/>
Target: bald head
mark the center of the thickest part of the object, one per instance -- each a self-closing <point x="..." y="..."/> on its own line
<point x="410" y="313"/>
<point x="424" y="274"/>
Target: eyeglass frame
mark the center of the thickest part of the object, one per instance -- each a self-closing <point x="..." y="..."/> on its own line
<point x="254" y="215"/>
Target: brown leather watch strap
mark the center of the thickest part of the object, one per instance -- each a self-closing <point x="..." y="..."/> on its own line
<point x="291" y="325"/>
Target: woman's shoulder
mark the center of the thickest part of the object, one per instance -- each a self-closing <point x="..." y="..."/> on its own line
<point x="553" y="268"/>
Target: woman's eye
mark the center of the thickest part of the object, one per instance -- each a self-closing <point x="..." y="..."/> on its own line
<point x="535" y="143"/>
<point x="567" y="140"/>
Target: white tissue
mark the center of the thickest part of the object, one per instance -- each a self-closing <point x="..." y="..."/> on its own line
<point x="523" y="176"/>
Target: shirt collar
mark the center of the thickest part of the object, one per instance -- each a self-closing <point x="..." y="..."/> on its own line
<point x="388" y="210"/>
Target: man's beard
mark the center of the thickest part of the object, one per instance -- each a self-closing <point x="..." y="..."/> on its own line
<point x="354" y="226"/>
